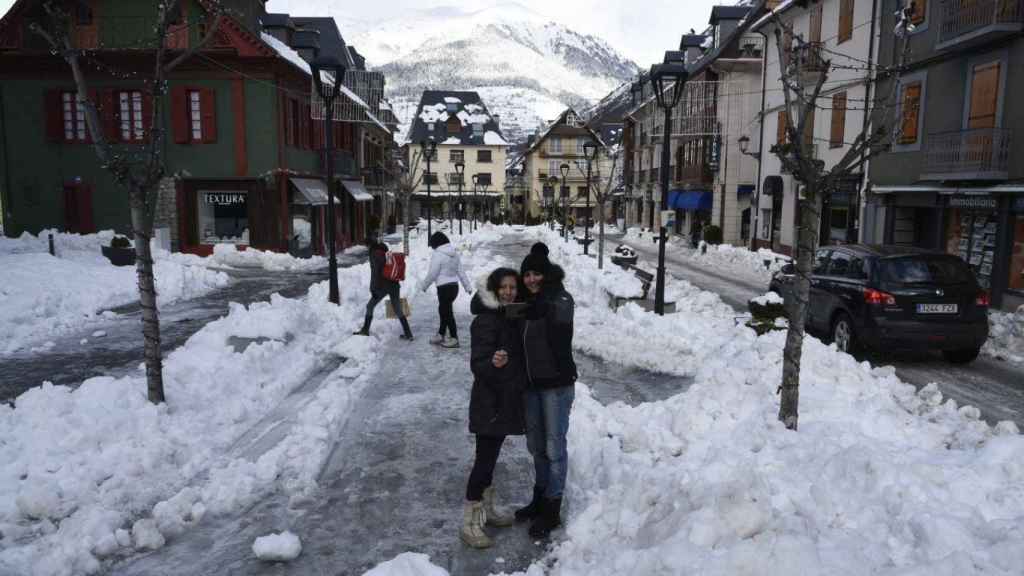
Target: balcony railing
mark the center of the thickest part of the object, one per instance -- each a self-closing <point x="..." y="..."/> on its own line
<point x="695" y="174"/>
<point x="979" y="154"/>
<point x="961" y="18"/>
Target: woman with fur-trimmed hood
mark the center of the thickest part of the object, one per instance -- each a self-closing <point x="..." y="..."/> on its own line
<point x="496" y="401"/>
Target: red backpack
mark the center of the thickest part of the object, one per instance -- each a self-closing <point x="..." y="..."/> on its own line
<point x="394" y="266"/>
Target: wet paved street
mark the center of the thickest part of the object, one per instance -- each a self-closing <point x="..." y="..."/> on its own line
<point x="396" y="478"/>
<point x="119" y="350"/>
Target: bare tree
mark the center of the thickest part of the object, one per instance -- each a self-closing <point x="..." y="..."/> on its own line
<point x="804" y="74"/>
<point x="136" y="168"/>
<point x="602" y="186"/>
<point x="406" y="179"/>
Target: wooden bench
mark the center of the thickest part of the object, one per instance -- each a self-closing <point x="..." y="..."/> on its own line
<point x="646" y="279"/>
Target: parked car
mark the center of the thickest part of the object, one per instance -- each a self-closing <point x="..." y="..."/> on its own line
<point x="893" y="297"/>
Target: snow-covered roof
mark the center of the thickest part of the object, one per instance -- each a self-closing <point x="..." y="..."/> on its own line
<point x="476" y="126"/>
<point x="292" y="56"/>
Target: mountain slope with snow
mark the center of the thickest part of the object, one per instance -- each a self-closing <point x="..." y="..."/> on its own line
<point x="526" y="67"/>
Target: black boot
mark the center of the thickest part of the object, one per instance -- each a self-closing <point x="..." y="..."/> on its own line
<point x="550" y="518"/>
<point x="533" y="509"/>
<point x="365" y="330"/>
<point x="406" y="330"/>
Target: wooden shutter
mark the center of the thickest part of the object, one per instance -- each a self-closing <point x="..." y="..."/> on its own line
<point x="147" y="114"/>
<point x="911" y="103"/>
<point x="838" y="131"/>
<point x="208" y="111"/>
<point x="845" y="20"/>
<point x="54" y="112"/>
<point x="984" y="96"/>
<point x="110" y="115"/>
<point x="180" y="122"/>
<point x="815" y="30"/>
<point x="809" y="132"/>
<point x="781" y="138"/>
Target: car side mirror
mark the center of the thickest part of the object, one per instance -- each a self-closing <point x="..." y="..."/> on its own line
<point x="788" y="269"/>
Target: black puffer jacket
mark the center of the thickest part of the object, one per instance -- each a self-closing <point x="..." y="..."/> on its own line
<point x="378" y="256"/>
<point x="496" y="401"/>
<point x="547" y="333"/>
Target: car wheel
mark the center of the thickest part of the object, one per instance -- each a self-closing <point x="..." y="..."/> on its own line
<point x="843" y="334"/>
<point x="965" y="356"/>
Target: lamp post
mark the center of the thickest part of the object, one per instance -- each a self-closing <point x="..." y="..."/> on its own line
<point x="428" y="149"/>
<point x="329" y="92"/>
<point x="476" y="184"/>
<point x="564" y="169"/>
<point x="744" y="142"/>
<point x="670" y="75"/>
<point x="590" y="153"/>
<point x="460" y="169"/>
<point x="552" y="182"/>
<point x="482" y="189"/>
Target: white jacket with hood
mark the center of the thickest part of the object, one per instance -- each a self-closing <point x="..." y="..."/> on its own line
<point x="446" y="268"/>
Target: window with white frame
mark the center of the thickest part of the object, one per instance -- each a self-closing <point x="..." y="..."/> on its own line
<point x="130" y="110"/>
<point x="555" y="145"/>
<point x="73" y="113"/>
<point x="195" y="115"/>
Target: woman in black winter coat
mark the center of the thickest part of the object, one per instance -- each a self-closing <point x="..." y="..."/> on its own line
<point x="496" y="400"/>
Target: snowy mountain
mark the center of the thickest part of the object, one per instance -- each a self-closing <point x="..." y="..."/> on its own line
<point x="526" y="67"/>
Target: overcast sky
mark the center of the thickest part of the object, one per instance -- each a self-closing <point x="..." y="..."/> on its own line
<point x="641" y="29"/>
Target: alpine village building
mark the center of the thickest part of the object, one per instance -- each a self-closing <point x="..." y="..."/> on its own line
<point x="465" y="132"/>
<point x="244" y="159"/>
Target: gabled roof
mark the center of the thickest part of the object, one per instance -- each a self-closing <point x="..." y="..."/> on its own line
<point x="331" y="41"/>
<point x="437" y="106"/>
<point x="560" y="127"/>
<point x="691" y="41"/>
<point x="728" y="13"/>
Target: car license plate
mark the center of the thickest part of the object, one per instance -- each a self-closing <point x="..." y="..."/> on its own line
<point x="937" y="308"/>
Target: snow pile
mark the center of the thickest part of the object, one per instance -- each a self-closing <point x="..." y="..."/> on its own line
<point x="229" y="256"/>
<point x="254" y="402"/>
<point x="282" y="547"/>
<point x="1005" y="335"/>
<point x="768" y="298"/>
<point x="44" y="296"/>
<point x="407" y="564"/>
<point x="722" y="258"/>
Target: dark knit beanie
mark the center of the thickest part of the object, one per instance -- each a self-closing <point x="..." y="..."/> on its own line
<point x="536" y="260"/>
<point x="437" y="239"/>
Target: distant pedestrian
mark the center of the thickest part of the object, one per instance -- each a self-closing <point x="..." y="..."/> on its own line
<point x="381" y="286"/>
<point x="446" y="271"/>
<point x="496" y="400"/>
<point x="547" y="332"/>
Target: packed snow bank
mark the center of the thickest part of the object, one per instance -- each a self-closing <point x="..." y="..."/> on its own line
<point x="255" y="401"/>
<point x="283" y="547"/>
<point x="1005" y="335"/>
<point x="407" y="564"/>
<point x="721" y="258"/>
<point x="879" y="479"/>
<point x="229" y="256"/>
<point x="43" y="296"/>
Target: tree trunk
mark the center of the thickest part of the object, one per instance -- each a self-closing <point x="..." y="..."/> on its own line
<point x="600" y="241"/>
<point x="807" y="244"/>
<point x="142" y="226"/>
<point x="405" y="225"/>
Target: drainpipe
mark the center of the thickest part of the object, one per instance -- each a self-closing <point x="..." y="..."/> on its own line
<point x="5" y="192"/>
<point x="865" y="185"/>
<point x="762" y="152"/>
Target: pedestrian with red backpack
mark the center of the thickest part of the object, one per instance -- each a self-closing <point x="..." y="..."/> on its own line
<point x="387" y="270"/>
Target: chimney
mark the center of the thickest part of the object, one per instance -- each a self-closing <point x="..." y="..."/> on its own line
<point x="497" y="119"/>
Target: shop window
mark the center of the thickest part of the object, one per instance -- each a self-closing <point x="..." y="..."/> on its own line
<point x="971" y="233"/>
<point x="223" y="217"/>
<point x="1016" y="280"/>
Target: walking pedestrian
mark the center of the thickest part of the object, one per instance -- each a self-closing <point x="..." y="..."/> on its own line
<point x="381" y="286"/>
<point x="496" y="400"/>
<point x="547" y="332"/>
<point x="446" y="271"/>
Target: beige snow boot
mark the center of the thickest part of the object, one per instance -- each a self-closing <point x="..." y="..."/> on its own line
<point x="494" y="517"/>
<point x="473" y="519"/>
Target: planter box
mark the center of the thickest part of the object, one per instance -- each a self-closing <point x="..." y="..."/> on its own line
<point x="119" y="256"/>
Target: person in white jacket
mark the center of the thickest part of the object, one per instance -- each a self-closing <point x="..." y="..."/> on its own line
<point x="445" y="271"/>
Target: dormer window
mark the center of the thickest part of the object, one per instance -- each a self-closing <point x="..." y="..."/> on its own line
<point x="570" y="119"/>
<point x="453" y="126"/>
<point x="430" y="126"/>
<point x="478" y="129"/>
<point x="452" y="107"/>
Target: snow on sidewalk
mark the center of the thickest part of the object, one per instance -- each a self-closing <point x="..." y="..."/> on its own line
<point x="880" y="478"/>
<point x="97" y="472"/>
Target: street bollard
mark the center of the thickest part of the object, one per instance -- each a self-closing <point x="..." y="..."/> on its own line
<point x="52" y="253"/>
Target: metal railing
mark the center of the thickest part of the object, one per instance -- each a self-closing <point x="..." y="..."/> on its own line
<point x="960" y="17"/>
<point x="977" y="153"/>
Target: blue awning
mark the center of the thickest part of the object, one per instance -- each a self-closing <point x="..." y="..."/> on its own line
<point x="694" y="200"/>
<point x="744" y="189"/>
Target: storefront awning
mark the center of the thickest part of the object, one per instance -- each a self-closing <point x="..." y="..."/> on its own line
<point x="310" y="191"/>
<point x="690" y="200"/>
<point x="357" y="191"/>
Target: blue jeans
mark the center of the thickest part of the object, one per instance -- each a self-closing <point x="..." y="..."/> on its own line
<point x="547" y="424"/>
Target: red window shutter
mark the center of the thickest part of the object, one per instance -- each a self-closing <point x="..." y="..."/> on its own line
<point x="208" y="109"/>
<point x="180" y="124"/>
<point x="54" y="116"/>
<point x="110" y="115"/>
<point x="147" y="114"/>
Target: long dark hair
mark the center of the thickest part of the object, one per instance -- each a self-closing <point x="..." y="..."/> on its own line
<point x="499" y="274"/>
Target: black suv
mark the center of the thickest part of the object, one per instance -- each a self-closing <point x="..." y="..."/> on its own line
<point x="893" y="297"/>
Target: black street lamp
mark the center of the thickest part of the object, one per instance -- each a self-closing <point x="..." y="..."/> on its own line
<point x="478" y="189"/>
<point x="428" y="148"/>
<point x="460" y="169"/>
<point x="564" y="169"/>
<point x="590" y="153"/>
<point x="329" y="92"/>
<point x="550" y="198"/>
<point x="670" y="75"/>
